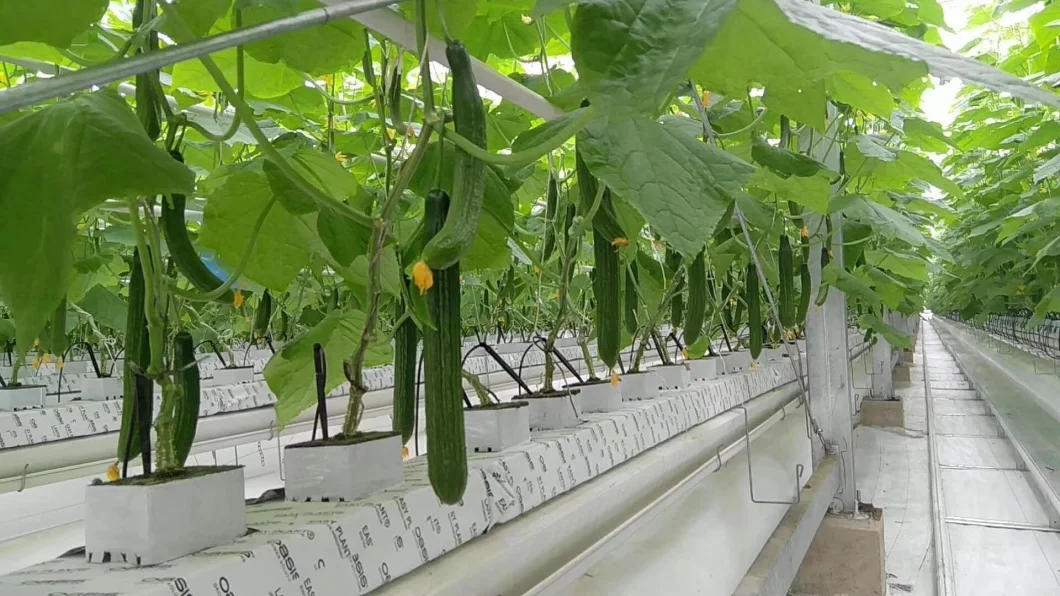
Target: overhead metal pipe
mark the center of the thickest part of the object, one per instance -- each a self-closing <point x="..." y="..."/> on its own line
<point x="64" y="84"/>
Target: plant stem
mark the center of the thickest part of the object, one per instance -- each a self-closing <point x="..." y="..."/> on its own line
<point x="246" y="114"/>
<point x="353" y="368"/>
<point x="653" y="321"/>
<point x="573" y="244"/>
<point x="530" y="155"/>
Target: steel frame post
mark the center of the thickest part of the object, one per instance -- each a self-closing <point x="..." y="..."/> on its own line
<point x="827" y="349"/>
<point x="883" y="363"/>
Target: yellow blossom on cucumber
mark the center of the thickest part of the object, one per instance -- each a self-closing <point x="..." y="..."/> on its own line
<point x="422" y="276"/>
<point x="405" y="452"/>
<point x="238" y="299"/>
<point x="805" y="232"/>
<point x="36" y="363"/>
<point x="46" y="359"/>
<point x="615" y="379"/>
<point x="684" y="353"/>
<point x="620" y="242"/>
<point x="59" y="364"/>
<point x="112" y="472"/>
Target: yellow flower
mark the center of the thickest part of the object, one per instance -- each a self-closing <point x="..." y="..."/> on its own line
<point x="340" y="157"/>
<point x="59" y="364"/>
<point x="404" y="452"/>
<point x="112" y="472"/>
<point x="46" y="359"/>
<point x="422" y="276"/>
<point x="684" y="353"/>
<point x="537" y="269"/>
<point x="790" y="335"/>
<point x="805" y="232"/>
<point x="238" y="299"/>
<point x="36" y="363"/>
<point x="620" y="242"/>
<point x="527" y="20"/>
<point x="705" y="98"/>
<point x="754" y="365"/>
<point x="615" y="380"/>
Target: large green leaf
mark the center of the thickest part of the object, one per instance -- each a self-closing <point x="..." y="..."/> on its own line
<point x="490" y="248"/>
<point x="782" y="161"/>
<point x="631" y="54"/>
<point x="893" y="336"/>
<point x="318" y="51"/>
<point x="54" y="22"/>
<point x="850" y="284"/>
<point x="290" y="373"/>
<point x="198" y="15"/>
<point x="55" y="164"/>
<point x="760" y="43"/>
<point x="263" y="80"/>
<point x="852" y="35"/>
<point x="898" y="263"/>
<point x="232" y="209"/>
<point x="812" y="193"/>
<point x="106" y="307"/>
<point x="679" y="184"/>
<point x="458" y="15"/>
<point x="886" y="221"/>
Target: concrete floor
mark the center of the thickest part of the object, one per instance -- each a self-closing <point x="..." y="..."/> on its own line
<point x="892" y="473"/>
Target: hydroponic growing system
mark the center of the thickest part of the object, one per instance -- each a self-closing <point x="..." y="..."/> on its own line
<point x="525" y="297"/>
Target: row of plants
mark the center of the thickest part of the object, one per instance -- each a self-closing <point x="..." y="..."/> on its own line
<point x="360" y="208"/>
<point x="1002" y="231"/>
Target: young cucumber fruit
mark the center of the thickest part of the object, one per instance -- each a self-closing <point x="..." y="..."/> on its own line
<point x="406" y="337"/>
<point x="137" y="357"/>
<point x="786" y="270"/>
<point x="755" y="330"/>
<point x="697" y="299"/>
<point x="175" y="230"/>
<point x="454" y="239"/>
<point x="446" y="450"/>
<point x="186" y="412"/>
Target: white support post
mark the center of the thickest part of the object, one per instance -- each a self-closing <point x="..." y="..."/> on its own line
<point x="829" y="372"/>
<point x="883" y="363"/>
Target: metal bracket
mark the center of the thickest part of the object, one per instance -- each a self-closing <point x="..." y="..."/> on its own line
<point x="750" y="471"/>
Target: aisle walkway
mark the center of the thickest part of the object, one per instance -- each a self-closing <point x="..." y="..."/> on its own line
<point x="892" y="473"/>
<point x="995" y="533"/>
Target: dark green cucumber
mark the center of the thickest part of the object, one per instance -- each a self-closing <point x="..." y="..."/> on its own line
<point x="137" y="357"/>
<point x="630" y="300"/>
<point x="677" y="302"/>
<point x="453" y="240"/>
<point x="822" y="291"/>
<point x="697" y="299"/>
<point x="804" y="293"/>
<point x="446" y="450"/>
<point x="754" y="312"/>
<point x="551" y="206"/>
<point x="607" y="290"/>
<point x="604" y="221"/>
<point x="406" y="336"/>
<point x="58" y="330"/>
<point x="175" y="230"/>
<point x="786" y="272"/>
<point x="262" y="316"/>
<point x="186" y="412"/>
<point x="148" y="112"/>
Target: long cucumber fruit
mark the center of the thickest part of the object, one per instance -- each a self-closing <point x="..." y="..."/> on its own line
<point x="446" y="450"/>
<point x="186" y="413"/>
<point x="454" y="239"/>
<point x="406" y="337"/>
<point x="754" y="312"/>
<point x="786" y="271"/>
<point x="137" y="357"/>
<point x="697" y="299"/>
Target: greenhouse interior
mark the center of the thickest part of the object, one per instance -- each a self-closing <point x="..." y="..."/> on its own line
<point x="543" y="297"/>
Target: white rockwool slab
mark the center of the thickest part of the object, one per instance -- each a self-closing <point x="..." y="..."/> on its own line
<point x="325" y="548"/>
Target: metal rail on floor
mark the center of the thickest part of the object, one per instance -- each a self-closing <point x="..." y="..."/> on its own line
<point x="943" y="559"/>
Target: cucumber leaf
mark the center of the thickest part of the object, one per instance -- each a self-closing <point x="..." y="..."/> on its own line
<point x="631" y="54"/>
<point x="107" y="308"/>
<point x="681" y="185"/>
<point x="317" y="51"/>
<point x="55" y="164"/>
<point x="54" y="22"/>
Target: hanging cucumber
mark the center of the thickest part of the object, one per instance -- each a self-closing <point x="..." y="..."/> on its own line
<point x="186" y="412"/>
<point x="786" y="270"/>
<point x="406" y="338"/>
<point x="551" y="206"/>
<point x="630" y="300"/>
<point x="727" y="306"/>
<point x="677" y="302"/>
<point x="137" y="357"/>
<point x="262" y="316"/>
<point x="454" y="239"/>
<point x="148" y="111"/>
<point x="754" y="312"/>
<point x="607" y="290"/>
<point x="822" y="292"/>
<point x="57" y="344"/>
<point x="446" y="451"/>
<point x="804" y="294"/>
<point x="697" y="299"/>
<point x="175" y="230"/>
